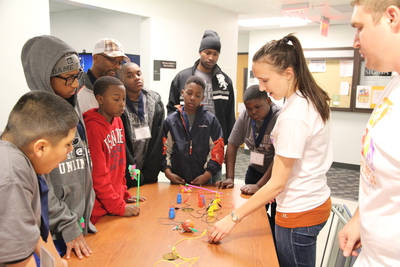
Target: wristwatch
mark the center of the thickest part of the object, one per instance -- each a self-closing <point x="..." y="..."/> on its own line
<point x="234" y="217"/>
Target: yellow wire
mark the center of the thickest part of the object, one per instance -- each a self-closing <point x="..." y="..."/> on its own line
<point x="175" y="252"/>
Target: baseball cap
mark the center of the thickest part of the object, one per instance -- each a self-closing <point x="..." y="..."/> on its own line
<point x="109" y="47"/>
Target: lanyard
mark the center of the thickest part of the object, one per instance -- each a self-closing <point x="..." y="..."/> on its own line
<point x="263" y="129"/>
<point x="140" y="111"/>
<point x="81" y="130"/>
<point x="44" y="226"/>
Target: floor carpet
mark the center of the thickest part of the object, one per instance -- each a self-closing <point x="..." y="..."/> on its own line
<point x="343" y="182"/>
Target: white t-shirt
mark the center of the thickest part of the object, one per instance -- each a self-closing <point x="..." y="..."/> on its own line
<point x="86" y="99"/>
<point x="300" y="133"/>
<point x="379" y="200"/>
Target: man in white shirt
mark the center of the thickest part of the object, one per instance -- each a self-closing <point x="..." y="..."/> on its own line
<point x="374" y="226"/>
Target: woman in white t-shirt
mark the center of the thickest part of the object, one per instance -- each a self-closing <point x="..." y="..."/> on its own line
<point x="303" y="148"/>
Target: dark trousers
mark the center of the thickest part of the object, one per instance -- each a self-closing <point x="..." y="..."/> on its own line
<point x="252" y="177"/>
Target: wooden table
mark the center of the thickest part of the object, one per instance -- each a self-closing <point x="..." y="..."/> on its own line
<point x="143" y="240"/>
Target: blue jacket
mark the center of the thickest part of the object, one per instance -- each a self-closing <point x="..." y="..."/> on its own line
<point x="190" y="154"/>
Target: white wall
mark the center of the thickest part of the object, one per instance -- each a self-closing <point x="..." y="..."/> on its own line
<point x="347" y="127"/>
<point x="155" y="29"/>
<point x="243" y="42"/>
<point x="19" y="20"/>
<point x="93" y="26"/>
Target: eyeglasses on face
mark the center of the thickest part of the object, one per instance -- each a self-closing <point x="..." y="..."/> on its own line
<point x="112" y="60"/>
<point x="71" y="79"/>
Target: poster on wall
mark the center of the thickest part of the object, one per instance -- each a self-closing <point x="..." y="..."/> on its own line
<point x="373" y="77"/>
<point x="368" y="96"/>
<point x="162" y="64"/>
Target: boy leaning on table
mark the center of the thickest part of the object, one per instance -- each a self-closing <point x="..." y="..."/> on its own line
<point x="37" y="137"/>
<point x="106" y="138"/>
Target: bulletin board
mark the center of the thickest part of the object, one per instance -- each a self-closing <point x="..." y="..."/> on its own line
<point x="333" y="80"/>
<point x="336" y="70"/>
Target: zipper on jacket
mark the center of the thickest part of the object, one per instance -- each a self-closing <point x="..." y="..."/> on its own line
<point x="187" y="131"/>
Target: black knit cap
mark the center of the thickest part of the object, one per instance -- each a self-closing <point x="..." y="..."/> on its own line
<point x="210" y="41"/>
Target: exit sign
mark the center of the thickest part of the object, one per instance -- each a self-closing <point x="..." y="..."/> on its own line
<point x="294" y="15"/>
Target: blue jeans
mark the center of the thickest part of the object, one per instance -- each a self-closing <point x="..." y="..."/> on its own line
<point x="252" y="177"/>
<point x="297" y="246"/>
<point x="60" y="246"/>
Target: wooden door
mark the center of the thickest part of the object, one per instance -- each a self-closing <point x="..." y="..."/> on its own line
<point x="241" y="77"/>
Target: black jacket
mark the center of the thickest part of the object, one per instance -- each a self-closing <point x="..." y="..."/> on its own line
<point x="223" y="96"/>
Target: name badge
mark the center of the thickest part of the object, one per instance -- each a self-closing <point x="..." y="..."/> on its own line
<point x="256" y="158"/>
<point x="142" y="133"/>
<point x="46" y="259"/>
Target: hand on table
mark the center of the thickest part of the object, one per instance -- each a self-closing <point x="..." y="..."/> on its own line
<point x="221" y="229"/>
<point x="80" y="247"/>
<point x="133" y="199"/>
<point x="201" y="179"/>
<point x="227" y="183"/>
<point x="249" y="189"/>
<point x="131" y="210"/>
<point x="176" y="179"/>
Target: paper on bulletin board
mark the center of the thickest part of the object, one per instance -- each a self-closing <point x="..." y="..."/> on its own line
<point x="317" y="65"/>
<point x="344" y="88"/>
<point x="346" y="68"/>
<point x="336" y="100"/>
<point x="376" y="95"/>
<point x="368" y="96"/>
<point x="363" y="96"/>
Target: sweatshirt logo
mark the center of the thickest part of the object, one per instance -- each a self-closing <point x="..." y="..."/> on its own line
<point x="221" y="81"/>
<point x="79" y="152"/>
<point x="113" y="138"/>
<point x="75" y="161"/>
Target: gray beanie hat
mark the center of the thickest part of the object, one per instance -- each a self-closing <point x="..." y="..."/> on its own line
<point x="66" y="63"/>
<point x="210" y="41"/>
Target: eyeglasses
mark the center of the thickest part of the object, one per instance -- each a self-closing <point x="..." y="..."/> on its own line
<point x="113" y="61"/>
<point x="71" y="79"/>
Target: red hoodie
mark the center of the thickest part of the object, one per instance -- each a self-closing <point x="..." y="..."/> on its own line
<point x="107" y="149"/>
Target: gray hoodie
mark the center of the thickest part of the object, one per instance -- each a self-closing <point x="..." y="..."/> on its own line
<point x="71" y="194"/>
